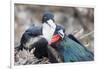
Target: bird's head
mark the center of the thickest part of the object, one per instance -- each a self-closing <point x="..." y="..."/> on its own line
<point x="48" y="25"/>
<point x="47" y="16"/>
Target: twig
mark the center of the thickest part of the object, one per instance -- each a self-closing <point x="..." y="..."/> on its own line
<point x="86" y="35"/>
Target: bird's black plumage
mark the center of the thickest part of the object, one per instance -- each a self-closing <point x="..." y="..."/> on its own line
<point x="40" y="44"/>
<point x="32" y="32"/>
<point x="47" y="16"/>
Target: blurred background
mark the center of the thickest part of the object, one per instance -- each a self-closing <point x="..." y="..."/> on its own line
<point x="78" y="21"/>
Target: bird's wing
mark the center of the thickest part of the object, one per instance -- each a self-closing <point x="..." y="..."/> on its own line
<point x="74" y="51"/>
<point x="74" y="39"/>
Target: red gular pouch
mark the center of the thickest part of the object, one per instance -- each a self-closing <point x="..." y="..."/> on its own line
<point x="54" y="39"/>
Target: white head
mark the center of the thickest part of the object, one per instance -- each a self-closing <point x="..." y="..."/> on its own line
<point x="48" y="26"/>
<point x="48" y="29"/>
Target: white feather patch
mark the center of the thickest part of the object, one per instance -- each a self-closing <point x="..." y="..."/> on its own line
<point x="48" y="29"/>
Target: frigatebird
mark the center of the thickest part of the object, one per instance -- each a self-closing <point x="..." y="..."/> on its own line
<point x="52" y="36"/>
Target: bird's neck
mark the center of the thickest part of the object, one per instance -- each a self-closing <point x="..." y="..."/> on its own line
<point x="48" y="29"/>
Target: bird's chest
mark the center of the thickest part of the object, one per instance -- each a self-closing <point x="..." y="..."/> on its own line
<point x="48" y="31"/>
